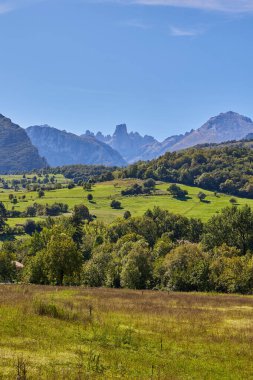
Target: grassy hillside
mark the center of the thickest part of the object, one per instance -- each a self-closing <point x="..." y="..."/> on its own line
<point x="103" y="193"/>
<point x="70" y="333"/>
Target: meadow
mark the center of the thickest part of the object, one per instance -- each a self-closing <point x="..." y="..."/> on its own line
<point x="103" y="193"/>
<point x="80" y="333"/>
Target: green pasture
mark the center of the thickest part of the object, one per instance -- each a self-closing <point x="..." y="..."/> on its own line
<point x="103" y="193"/>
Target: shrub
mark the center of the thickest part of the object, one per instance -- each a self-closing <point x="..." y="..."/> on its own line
<point x="115" y="204"/>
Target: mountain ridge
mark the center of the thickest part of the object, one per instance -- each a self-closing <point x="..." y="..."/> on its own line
<point x="17" y="153"/>
<point x="223" y="127"/>
<point x="66" y="148"/>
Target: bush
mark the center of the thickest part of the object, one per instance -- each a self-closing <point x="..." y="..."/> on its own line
<point x="115" y="204"/>
<point x="201" y="196"/>
<point x="127" y="214"/>
<point x="90" y="197"/>
<point x="177" y="192"/>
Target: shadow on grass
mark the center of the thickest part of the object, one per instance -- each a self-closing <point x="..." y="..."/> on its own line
<point x="205" y="201"/>
<point x="183" y="199"/>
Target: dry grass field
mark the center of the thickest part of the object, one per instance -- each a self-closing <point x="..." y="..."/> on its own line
<point x="77" y="333"/>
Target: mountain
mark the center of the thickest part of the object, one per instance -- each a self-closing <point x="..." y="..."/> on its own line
<point x="63" y="148"/>
<point x="16" y="150"/>
<point x="224" y="127"/>
<point x="132" y="146"/>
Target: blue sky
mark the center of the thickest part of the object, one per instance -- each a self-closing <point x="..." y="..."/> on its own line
<point x="160" y="66"/>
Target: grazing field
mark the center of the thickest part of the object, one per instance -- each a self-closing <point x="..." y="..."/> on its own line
<point x="103" y="193"/>
<point x="77" y="333"/>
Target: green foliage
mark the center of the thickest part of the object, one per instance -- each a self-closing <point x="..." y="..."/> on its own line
<point x="80" y="214"/>
<point x="201" y="196"/>
<point x="228" y="169"/>
<point x="136" y="189"/>
<point x="176" y="191"/>
<point x="158" y="250"/>
<point x="186" y="269"/>
<point x="7" y="267"/>
<point x="127" y="214"/>
<point x="90" y="197"/>
<point x="137" y="267"/>
<point x="41" y="193"/>
<point x="31" y="226"/>
<point x="233" y="226"/>
<point x="149" y="183"/>
<point x="115" y="204"/>
<point x="3" y="214"/>
<point x="63" y="260"/>
<point x="84" y="173"/>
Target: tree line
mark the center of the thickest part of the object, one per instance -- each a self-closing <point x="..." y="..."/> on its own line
<point x="159" y="250"/>
<point x="227" y="169"/>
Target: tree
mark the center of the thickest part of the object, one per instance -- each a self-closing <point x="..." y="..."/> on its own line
<point x="233" y="226"/>
<point x="115" y="204"/>
<point x="162" y="246"/>
<point x="228" y="271"/>
<point x="94" y="270"/>
<point x="90" y="197"/>
<point x="63" y="260"/>
<point x="149" y="183"/>
<point x="177" y="192"/>
<point x="31" y="226"/>
<point x="71" y="185"/>
<point x="80" y="213"/>
<point x="41" y="193"/>
<point x="35" y="271"/>
<point x="127" y="214"/>
<point x="201" y="196"/>
<point x="137" y="267"/>
<point x="7" y="267"/>
<point x="186" y="269"/>
<point x="87" y="186"/>
<point x="31" y="211"/>
<point x="3" y="215"/>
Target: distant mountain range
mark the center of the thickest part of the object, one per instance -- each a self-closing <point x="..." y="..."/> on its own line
<point x="132" y="146"/>
<point x="224" y="127"/>
<point x="16" y="150"/>
<point x="22" y="150"/>
<point x="64" y="148"/>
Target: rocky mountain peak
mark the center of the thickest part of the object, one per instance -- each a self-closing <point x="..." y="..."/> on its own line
<point x="121" y="130"/>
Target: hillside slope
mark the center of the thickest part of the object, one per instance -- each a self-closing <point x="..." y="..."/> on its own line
<point x="226" y="167"/>
<point x="16" y="150"/>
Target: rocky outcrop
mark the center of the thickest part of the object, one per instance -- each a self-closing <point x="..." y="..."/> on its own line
<point x="132" y="146"/>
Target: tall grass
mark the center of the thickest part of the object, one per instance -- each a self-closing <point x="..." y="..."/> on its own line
<point x="75" y="333"/>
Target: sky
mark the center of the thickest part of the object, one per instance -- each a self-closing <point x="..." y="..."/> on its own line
<point x="162" y="67"/>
